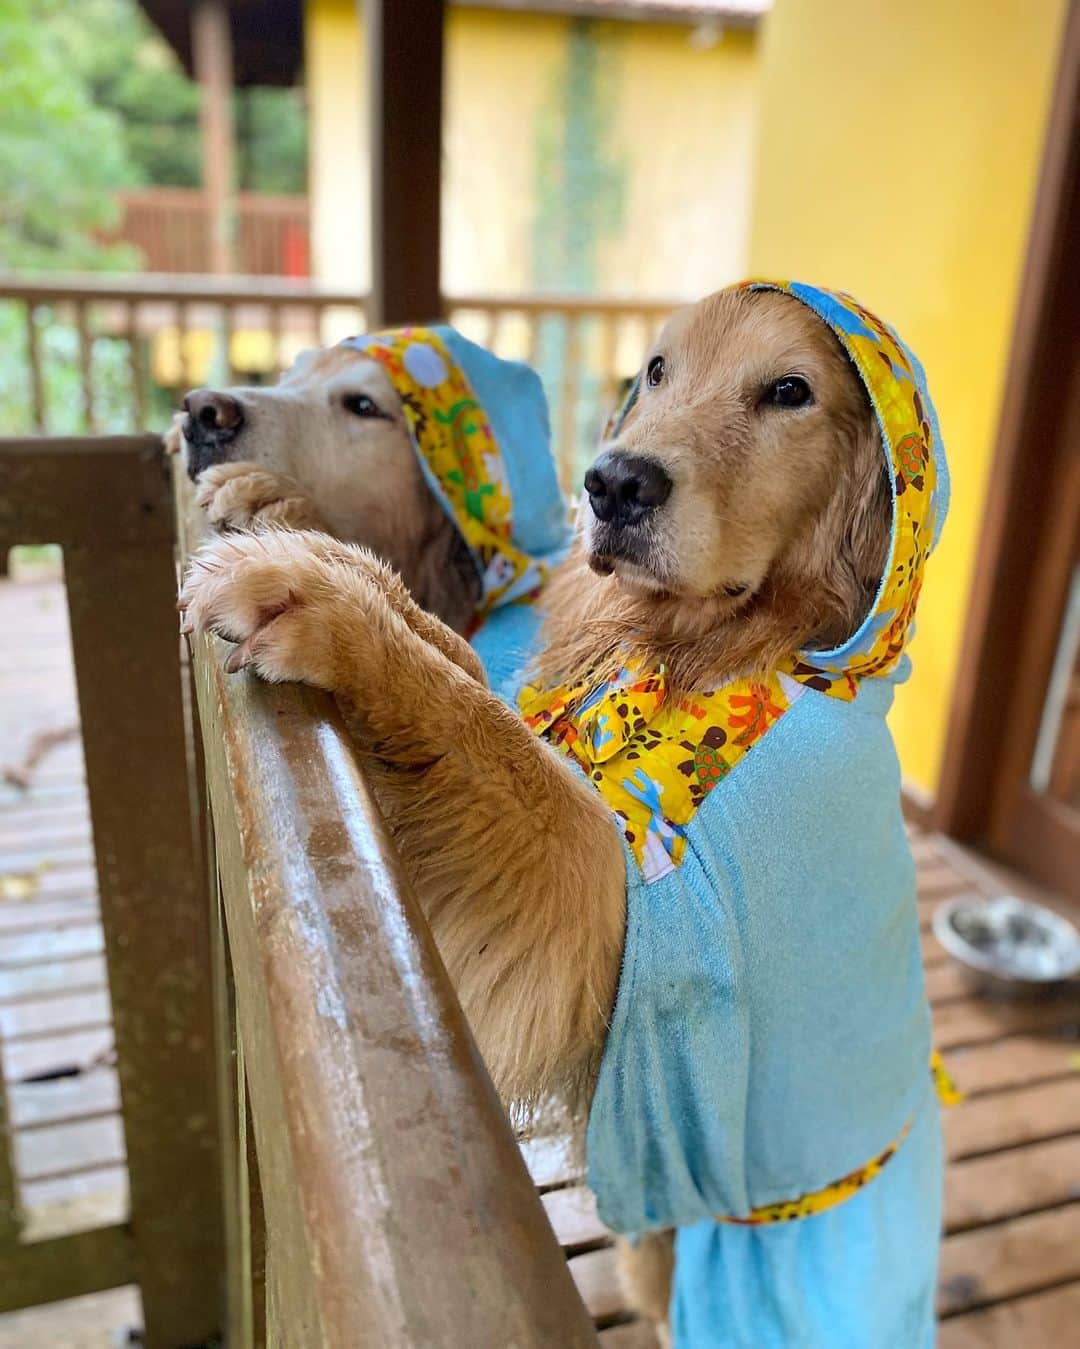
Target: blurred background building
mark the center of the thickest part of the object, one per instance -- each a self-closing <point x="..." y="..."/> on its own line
<point x="633" y="151"/>
<point x="186" y="199"/>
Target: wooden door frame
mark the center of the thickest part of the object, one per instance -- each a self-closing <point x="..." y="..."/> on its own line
<point x="1009" y="642"/>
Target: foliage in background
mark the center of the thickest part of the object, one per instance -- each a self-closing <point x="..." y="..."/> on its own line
<point x="580" y="177"/>
<point x="61" y="157"/>
<point x="580" y="193"/>
<point x="130" y="69"/>
<point x="271" y="126"/>
<point x="92" y="100"/>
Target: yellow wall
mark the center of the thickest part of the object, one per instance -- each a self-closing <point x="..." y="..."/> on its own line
<point x="899" y="143"/>
<point x="338" y="162"/>
<point x="683" y="124"/>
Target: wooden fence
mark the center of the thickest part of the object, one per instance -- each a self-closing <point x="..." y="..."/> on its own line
<point x="98" y="353"/>
<point x="171" y="227"/>
<point x="317" y="1156"/>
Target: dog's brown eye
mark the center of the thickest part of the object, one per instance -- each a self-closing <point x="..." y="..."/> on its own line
<point x="362" y="405"/>
<point x="655" y="372"/>
<point x="790" y="392"/>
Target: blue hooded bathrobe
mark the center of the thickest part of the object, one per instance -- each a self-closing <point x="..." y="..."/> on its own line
<point x="766" y="1085"/>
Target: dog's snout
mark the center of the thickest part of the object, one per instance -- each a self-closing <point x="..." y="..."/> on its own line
<point x="213" y="413"/>
<point x="212" y="423"/>
<point x="624" y="487"/>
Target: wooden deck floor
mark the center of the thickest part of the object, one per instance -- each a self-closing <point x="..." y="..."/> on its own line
<point x="1010" y="1269"/>
<point x="1011" y="1262"/>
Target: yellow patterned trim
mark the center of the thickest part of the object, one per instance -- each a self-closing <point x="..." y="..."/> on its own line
<point x="455" y="442"/>
<point x="948" y="1092"/>
<point x="820" y="1201"/>
<point x="653" y="755"/>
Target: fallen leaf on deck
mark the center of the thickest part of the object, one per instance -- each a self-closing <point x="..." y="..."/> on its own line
<point x="20" y="884"/>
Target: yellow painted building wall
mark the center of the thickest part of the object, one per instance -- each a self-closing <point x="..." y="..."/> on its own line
<point x="899" y="146"/>
<point x="683" y="122"/>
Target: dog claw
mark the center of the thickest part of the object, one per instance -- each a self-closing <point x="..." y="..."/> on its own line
<point x="241" y="655"/>
<point x="237" y="659"/>
<point x="186" y="629"/>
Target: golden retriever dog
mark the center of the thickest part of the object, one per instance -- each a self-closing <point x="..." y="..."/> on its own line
<point x="741" y="511"/>
<point x="291" y="455"/>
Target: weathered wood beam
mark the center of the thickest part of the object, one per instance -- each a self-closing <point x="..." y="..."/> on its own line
<point x="108" y="503"/>
<point x="211" y="46"/>
<point x="405" y="80"/>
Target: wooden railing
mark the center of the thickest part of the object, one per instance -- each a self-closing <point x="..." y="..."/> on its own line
<point x="108" y="503"/>
<point x="170" y="226"/>
<point x="374" y="1191"/>
<point x="338" y="1171"/>
<point x="90" y="353"/>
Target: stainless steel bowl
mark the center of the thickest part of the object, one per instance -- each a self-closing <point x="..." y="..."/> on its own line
<point x="1007" y="945"/>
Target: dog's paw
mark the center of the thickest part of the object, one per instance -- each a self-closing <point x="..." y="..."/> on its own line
<point x="272" y="595"/>
<point x="241" y="495"/>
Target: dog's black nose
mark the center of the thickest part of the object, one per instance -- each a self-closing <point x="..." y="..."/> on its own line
<point x="212" y="422"/>
<point x="624" y="487"/>
<point x="212" y="415"/>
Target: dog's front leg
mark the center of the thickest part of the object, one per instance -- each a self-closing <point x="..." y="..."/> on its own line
<point x="516" y="860"/>
<point x="243" y="495"/>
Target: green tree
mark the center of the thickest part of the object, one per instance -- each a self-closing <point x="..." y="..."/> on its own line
<point x="130" y="69"/>
<point x="62" y="157"/>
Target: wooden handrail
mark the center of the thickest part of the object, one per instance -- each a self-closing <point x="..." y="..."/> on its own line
<point x="398" y="1209"/>
<point x="168" y="288"/>
<point x="165" y="287"/>
<point x="586" y="345"/>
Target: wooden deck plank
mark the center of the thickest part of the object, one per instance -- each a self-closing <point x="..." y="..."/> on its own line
<point x="1042" y="1321"/>
<point x="39" y="1103"/>
<point x="572" y="1213"/>
<point x="1004" y="1185"/>
<point x="57" y="882"/>
<point x="51" y="850"/>
<point x="58" y="977"/>
<point x="1014" y="1061"/>
<point x="598" y="1284"/>
<point x="1008" y="1119"/>
<point x="550" y="1160"/>
<point x="71" y="1188"/>
<point x="41" y="915"/>
<point x="979" y="1021"/>
<point x="57" y="1016"/>
<point x="1025" y="1255"/>
<point x="62" y="1149"/>
<point x="56" y="1054"/>
<point x="946" y="982"/>
<point x="35" y="948"/>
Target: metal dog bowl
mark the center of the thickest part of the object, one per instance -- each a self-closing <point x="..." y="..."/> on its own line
<point x="1009" y="946"/>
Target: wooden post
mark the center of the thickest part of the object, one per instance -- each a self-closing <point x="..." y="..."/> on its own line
<point x="121" y="585"/>
<point x="405" y="79"/>
<point x="211" y="46"/>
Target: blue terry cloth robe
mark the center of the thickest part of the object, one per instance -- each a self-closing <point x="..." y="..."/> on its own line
<point x="765" y="1086"/>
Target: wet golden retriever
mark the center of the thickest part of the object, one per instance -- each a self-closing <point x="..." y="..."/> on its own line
<point x="757" y="524"/>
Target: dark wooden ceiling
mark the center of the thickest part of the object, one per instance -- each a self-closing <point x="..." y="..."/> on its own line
<point x="268" y="37"/>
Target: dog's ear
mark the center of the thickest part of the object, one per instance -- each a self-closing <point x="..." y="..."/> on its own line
<point x="869" y="531"/>
<point x="849" y="548"/>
